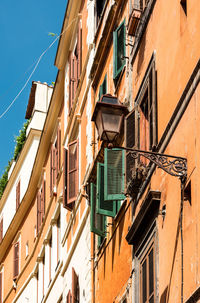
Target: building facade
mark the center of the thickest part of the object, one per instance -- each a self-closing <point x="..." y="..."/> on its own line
<point x="82" y="220"/>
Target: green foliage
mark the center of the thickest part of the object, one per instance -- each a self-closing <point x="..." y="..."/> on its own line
<point x="20" y="140"/>
<point x="4" y="179"/>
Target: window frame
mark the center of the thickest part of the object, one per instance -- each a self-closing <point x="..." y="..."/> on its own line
<point x="117" y="70"/>
<point x="149" y="241"/>
<point x="149" y="88"/>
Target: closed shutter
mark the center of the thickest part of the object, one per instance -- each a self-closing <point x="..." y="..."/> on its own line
<point x="1" y="287"/>
<point x="43" y="190"/>
<point x="1" y="231"/>
<point x="72" y="182"/>
<point x="69" y="297"/>
<point x="103" y="88"/>
<point x="65" y="180"/>
<point x="79" y="50"/>
<point x="107" y="208"/>
<point x="114" y="174"/>
<point x="16" y="260"/>
<point x="75" y="287"/>
<point x="97" y="222"/>
<point x="58" y="149"/>
<point x="73" y="78"/>
<point x="18" y="195"/>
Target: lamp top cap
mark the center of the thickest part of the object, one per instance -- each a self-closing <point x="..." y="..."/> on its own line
<point x="108" y="98"/>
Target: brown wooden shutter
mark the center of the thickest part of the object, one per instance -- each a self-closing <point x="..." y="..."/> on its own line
<point x="1" y="231"/>
<point x="58" y="148"/>
<point x="73" y="78"/>
<point x="75" y="287"/>
<point x="72" y="181"/>
<point x="43" y="200"/>
<point x="16" y="260"/>
<point x="79" y="50"/>
<point x="69" y="297"/>
<point x="1" y="286"/>
<point x="18" y="195"/>
<point x="65" y="180"/>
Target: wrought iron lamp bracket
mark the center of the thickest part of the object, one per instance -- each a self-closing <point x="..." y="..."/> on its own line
<point x="173" y="165"/>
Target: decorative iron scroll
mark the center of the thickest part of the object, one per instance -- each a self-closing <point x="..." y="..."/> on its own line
<point x="175" y="166"/>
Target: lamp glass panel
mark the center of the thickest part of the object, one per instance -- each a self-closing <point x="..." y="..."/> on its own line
<point x="99" y="124"/>
<point x="111" y="122"/>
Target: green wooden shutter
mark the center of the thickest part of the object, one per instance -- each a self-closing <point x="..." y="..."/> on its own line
<point x="103" y="88"/>
<point x="114" y="174"/>
<point x="107" y="208"/>
<point x="96" y="221"/>
<point x="119" y="50"/>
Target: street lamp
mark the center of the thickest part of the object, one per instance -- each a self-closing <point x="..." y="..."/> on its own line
<point x="108" y="117"/>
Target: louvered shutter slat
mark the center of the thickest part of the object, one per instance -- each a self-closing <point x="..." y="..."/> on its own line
<point x="107" y="208"/>
<point x="72" y="182"/>
<point x="96" y="220"/>
<point x="114" y="174"/>
<point x="16" y="260"/>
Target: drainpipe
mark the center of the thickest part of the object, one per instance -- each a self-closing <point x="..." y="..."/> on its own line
<point x="181" y="232"/>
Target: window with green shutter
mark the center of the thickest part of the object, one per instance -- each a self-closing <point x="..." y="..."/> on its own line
<point x="114" y="174"/>
<point x="104" y="207"/>
<point x="119" y="37"/>
<point x="97" y="221"/>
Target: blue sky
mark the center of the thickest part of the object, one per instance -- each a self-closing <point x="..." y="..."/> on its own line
<point x="24" y="28"/>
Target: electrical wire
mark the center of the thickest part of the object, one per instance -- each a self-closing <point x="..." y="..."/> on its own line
<point x="36" y="65"/>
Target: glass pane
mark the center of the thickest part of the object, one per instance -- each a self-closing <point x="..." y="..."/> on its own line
<point x="111" y="122"/>
<point x="151" y="273"/>
<point x="99" y="124"/>
<point x="144" y="281"/>
<point x="120" y="47"/>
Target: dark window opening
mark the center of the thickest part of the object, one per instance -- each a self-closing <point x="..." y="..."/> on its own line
<point x="187" y="193"/>
<point x="100" y="6"/>
<point x="184" y="5"/>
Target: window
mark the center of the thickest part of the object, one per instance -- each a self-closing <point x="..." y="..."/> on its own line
<point x="55" y="163"/>
<point x="99" y="9"/>
<point x="58" y="239"/>
<point x="141" y="123"/>
<point x="1" y="229"/>
<point x="147" y="274"/>
<point x="106" y="194"/>
<point x="184" y="5"/>
<point x="41" y="204"/>
<point x="103" y="88"/>
<point x="16" y="260"/>
<point x="18" y="195"/>
<point x="72" y="172"/>
<point x="75" y="67"/>
<point x="119" y="51"/>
